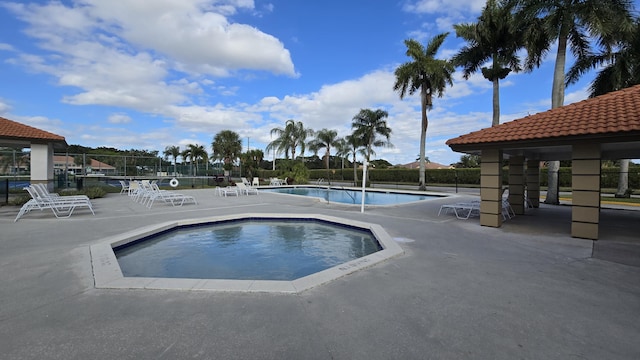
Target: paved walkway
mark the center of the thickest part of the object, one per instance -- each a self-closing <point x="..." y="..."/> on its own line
<point x="460" y="291"/>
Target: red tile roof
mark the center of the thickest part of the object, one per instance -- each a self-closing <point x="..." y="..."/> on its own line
<point x="14" y="130"/>
<point x="95" y="164"/>
<point x="614" y="113"/>
<point x="427" y="165"/>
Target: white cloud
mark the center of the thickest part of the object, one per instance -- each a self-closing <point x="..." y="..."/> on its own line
<point x="195" y="33"/>
<point x="4" y="107"/>
<point x="119" y="119"/>
<point x="161" y="57"/>
<point x="123" y="53"/>
<point x="575" y="96"/>
<point x="6" y="47"/>
<point x="444" y="6"/>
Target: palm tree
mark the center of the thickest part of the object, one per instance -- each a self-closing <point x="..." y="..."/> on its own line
<point x="427" y="74"/>
<point x="173" y="151"/>
<point x="620" y="66"/>
<point x="186" y="155"/>
<point x="280" y="144"/>
<point x="325" y="139"/>
<point x="251" y="161"/>
<point x="193" y="153"/>
<point x="198" y="152"/>
<point x="621" y="70"/>
<point x="289" y="138"/>
<point x="355" y="145"/>
<point x="342" y="151"/>
<point x="572" y="23"/>
<point x="226" y="146"/>
<point x="367" y="125"/>
<point x="495" y="38"/>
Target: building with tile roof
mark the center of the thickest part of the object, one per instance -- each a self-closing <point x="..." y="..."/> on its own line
<point x="62" y="163"/>
<point x="13" y="133"/>
<point x="604" y="127"/>
<point x="611" y="120"/>
<point x="427" y="165"/>
<point x="42" y="144"/>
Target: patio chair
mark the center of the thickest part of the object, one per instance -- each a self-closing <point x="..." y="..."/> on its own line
<point x="256" y="182"/>
<point x="245" y="181"/>
<point x="246" y="190"/>
<point x="134" y="187"/>
<point x="42" y="191"/>
<point x="462" y="210"/>
<point x="152" y="192"/>
<point x="125" y="187"/>
<point x="61" y="206"/>
<point x="507" y="210"/>
<point x="229" y="190"/>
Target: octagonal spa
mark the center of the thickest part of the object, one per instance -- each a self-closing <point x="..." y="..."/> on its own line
<point x="247" y="252"/>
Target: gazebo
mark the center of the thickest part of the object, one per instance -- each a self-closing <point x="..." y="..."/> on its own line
<point x="606" y="127"/>
<point x="42" y="144"/>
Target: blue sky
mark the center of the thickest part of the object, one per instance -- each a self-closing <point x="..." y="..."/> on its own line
<point x="148" y="74"/>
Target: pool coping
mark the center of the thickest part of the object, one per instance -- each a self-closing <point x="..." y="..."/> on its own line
<point x="437" y="195"/>
<point x="107" y="273"/>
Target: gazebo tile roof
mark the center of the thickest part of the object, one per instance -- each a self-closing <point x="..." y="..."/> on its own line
<point x="16" y="130"/>
<point x="588" y="117"/>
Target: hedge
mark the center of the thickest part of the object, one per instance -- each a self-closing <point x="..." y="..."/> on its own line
<point x="609" y="177"/>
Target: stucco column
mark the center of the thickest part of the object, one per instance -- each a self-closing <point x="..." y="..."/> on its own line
<point x="533" y="182"/>
<point x="585" y="181"/>
<point x="42" y="164"/>
<point x="516" y="184"/>
<point x="491" y="188"/>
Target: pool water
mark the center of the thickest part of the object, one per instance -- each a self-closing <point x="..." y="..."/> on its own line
<point x="246" y="250"/>
<point x="353" y="196"/>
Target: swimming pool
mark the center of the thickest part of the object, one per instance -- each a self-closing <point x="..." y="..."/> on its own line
<point x="246" y="250"/>
<point x="346" y="196"/>
<point x="107" y="273"/>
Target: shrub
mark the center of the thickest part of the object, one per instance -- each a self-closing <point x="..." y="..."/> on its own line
<point x="19" y="200"/>
<point x="299" y="173"/>
<point x="91" y="192"/>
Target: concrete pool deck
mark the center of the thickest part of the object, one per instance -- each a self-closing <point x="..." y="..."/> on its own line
<point x="460" y="291"/>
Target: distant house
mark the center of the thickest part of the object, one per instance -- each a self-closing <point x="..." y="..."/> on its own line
<point x="427" y="165"/>
<point x="62" y="162"/>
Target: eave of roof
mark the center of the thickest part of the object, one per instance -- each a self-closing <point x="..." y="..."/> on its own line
<point x="13" y="130"/>
<point x="611" y="117"/>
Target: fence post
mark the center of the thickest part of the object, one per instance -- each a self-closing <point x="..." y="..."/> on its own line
<point x="6" y="191"/>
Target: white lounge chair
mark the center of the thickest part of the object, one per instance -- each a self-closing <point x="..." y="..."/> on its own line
<point x="246" y="190"/>
<point x="462" y="210"/>
<point x="61" y="206"/>
<point x="275" y="182"/>
<point x="125" y="187"/>
<point x="150" y="192"/>
<point x="256" y="182"/>
<point x="134" y="186"/>
<point x="42" y="190"/>
<point x="229" y="190"/>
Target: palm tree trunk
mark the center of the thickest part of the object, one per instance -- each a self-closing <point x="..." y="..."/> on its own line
<point x="557" y="100"/>
<point x="423" y="139"/>
<point x="355" y="170"/>
<point x="496" y="102"/>
<point x="328" y="178"/>
<point x="623" y="180"/>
